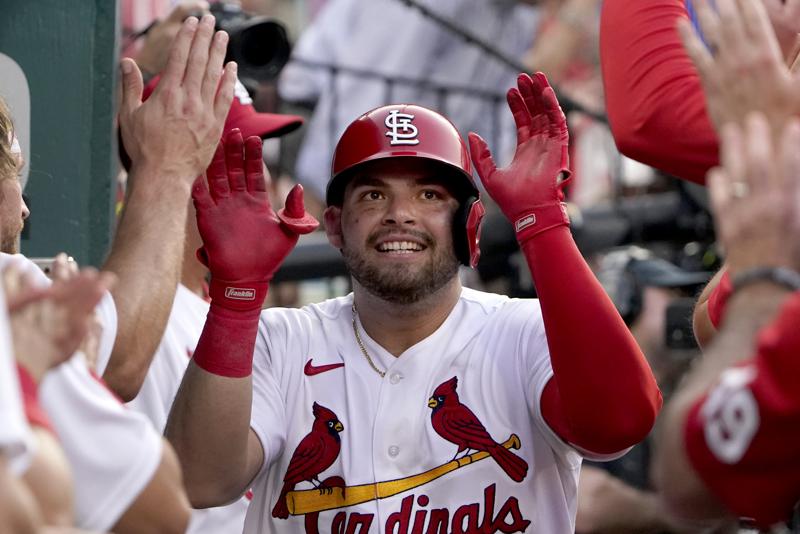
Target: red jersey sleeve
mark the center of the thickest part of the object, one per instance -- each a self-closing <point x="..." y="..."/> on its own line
<point x="743" y="438"/>
<point x="654" y="100"/>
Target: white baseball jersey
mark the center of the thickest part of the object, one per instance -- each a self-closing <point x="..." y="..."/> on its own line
<point x="155" y="399"/>
<point x="16" y="440"/>
<point x="397" y="466"/>
<point x="113" y="452"/>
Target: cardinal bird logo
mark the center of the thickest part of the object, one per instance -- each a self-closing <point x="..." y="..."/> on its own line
<point x="457" y="424"/>
<point x="315" y="453"/>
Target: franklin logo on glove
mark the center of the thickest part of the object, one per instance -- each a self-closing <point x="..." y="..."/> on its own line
<point x="240" y="293"/>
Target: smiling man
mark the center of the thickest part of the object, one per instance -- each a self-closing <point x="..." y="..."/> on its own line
<point x="412" y="403"/>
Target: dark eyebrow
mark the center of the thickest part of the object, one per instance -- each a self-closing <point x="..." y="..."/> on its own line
<point x="368" y="181"/>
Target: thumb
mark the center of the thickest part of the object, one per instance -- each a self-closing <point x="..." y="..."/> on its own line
<point x="481" y="157"/>
<point x="294" y="215"/>
<point x="132" y="86"/>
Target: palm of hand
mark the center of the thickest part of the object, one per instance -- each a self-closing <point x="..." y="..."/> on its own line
<point x="529" y="177"/>
<point x="262" y="244"/>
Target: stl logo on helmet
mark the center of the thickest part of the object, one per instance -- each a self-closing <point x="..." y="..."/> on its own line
<point x="401" y="130"/>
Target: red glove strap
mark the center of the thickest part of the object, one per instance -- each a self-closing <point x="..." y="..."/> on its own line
<point x="34" y="413"/>
<point x="238" y="296"/>
<point x="718" y="299"/>
<point x="539" y="219"/>
<point x="226" y="345"/>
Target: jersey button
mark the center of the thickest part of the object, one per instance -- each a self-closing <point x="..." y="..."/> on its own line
<point x="394" y="450"/>
<point x="394" y="378"/>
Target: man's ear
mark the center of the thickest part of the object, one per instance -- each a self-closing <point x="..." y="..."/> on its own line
<point x="333" y="225"/>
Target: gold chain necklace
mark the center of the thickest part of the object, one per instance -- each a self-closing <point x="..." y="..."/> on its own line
<point x="361" y="345"/>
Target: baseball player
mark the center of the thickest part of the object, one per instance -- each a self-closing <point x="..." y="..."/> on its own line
<point x="412" y="404"/>
<point x="730" y="438"/>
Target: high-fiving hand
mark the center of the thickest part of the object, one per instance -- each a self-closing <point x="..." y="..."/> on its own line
<point x="176" y="131"/>
<point x="755" y="196"/>
<point x="528" y="190"/>
<point x="244" y="240"/>
<point x="742" y="69"/>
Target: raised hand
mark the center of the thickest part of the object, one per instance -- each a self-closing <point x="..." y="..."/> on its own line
<point x="244" y="240"/>
<point x="742" y="69"/>
<point x="755" y="196"/>
<point x="528" y="190"/>
<point x="176" y="131"/>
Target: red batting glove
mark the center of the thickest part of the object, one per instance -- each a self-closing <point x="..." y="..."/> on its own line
<point x="244" y="240"/>
<point x="528" y="190"/>
<point x="244" y="243"/>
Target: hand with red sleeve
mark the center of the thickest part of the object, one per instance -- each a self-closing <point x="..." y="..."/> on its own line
<point x="528" y="190"/>
<point x="603" y="397"/>
<point x="244" y="243"/>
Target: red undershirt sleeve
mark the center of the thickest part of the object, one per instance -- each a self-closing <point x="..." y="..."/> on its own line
<point x="654" y="100"/>
<point x="603" y="397"/>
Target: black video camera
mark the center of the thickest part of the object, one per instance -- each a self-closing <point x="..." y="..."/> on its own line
<point x="259" y="45"/>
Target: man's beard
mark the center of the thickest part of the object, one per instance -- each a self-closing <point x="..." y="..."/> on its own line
<point x="399" y="283"/>
<point x="9" y="241"/>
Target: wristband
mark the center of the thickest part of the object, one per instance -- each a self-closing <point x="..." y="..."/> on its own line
<point x="781" y="276"/>
<point x="539" y="219"/>
<point x="226" y="345"/>
<point x="238" y="296"/>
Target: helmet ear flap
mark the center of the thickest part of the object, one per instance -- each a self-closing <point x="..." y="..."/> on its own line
<point x="467" y="231"/>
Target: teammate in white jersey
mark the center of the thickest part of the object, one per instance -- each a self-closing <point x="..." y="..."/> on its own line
<point x="413" y="405"/>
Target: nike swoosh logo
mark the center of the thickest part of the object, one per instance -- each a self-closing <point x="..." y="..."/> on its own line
<point x="311" y="370"/>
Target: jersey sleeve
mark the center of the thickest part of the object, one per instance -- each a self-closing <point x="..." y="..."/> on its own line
<point x="16" y="440"/>
<point x="113" y="451"/>
<point x="743" y="437"/>
<point x="654" y="100"/>
<point x="268" y="415"/>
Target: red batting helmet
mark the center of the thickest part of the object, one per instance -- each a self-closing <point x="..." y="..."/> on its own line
<point x="411" y="131"/>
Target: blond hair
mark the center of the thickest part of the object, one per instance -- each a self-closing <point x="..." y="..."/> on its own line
<point x="8" y="162"/>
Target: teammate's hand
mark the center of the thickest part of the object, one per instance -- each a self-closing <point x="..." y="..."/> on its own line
<point x="529" y="189"/>
<point x="742" y="69"/>
<point x="176" y="131"/>
<point x="49" y="324"/>
<point x="755" y="196"/>
<point x="244" y="240"/>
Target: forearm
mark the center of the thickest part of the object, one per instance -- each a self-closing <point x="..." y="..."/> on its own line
<point x="654" y="100"/>
<point x="603" y="387"/>
<point x="162" y="505"/>
<point x="146" y="257"/>
<point x="50" y="481"/>
<point x="707" y="314"/>
<point x="609" y="505"/>
<point x="209" y="426"/>
<point x="749" y="311"/>
<point x="18" y="510"/>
